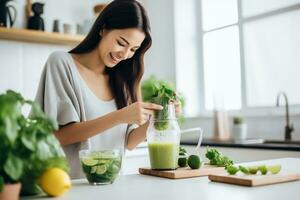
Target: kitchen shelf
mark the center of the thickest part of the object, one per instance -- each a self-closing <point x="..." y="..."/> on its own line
<point x="25" y="35"/>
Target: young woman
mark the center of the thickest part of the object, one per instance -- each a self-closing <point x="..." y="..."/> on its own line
<point x="93" y="92"/>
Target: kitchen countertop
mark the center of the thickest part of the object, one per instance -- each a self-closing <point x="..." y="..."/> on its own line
<point x="251" y="145"/>
<point x="144" y="187"/>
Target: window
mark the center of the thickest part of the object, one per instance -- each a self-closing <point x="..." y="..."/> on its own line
<point x="245" y="53"/>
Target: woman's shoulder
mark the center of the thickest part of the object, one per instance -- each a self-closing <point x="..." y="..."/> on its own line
<point x="58" y="56"/>
<point x="58" y="61"/>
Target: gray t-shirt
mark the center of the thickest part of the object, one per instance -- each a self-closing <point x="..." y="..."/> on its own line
<point x="65" y="97"/>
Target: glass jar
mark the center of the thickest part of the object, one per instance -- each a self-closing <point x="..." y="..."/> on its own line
<point x="163" y="138"/>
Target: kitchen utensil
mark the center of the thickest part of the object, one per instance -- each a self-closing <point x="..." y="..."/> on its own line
<point x="163" y="138"/>
<point x="6" y="14"/>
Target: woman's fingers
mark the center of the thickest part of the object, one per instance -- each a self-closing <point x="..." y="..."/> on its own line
<point x="152" y="106"/>
<point x="148" y="112"/>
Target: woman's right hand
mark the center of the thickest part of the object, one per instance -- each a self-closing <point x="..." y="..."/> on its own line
<point x="138" y="112"/>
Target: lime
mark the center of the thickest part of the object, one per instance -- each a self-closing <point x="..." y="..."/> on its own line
<point x="94" y="169"/>
<point x="194" y="162"/>
<point x="232" y="170"/>
<point x="115" y="168"/>
<point x="252" y="169"/>
<point x="274" y="169"/>
<point x="244" y="169"/>
<point x="89" y="161"/>
<point x="106" y="161"/>
<point x="101" y="169"/>
<point x="263" y="169"/>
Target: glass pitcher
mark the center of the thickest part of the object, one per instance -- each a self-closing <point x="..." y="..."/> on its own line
<point x="163" y="138"/>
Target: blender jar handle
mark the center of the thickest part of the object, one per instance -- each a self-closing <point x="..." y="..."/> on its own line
<point x="197" y="149"/>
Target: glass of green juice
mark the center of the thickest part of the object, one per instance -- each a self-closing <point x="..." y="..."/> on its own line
<point x="101" y="167"/>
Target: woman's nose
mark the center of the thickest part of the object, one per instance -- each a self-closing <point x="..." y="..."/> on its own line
<point x="124" y="54"/>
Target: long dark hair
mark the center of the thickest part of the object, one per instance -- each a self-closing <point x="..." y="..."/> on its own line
<point x="125" y="77"/>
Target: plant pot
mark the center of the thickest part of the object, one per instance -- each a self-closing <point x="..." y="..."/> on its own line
<point x="239" y="131"/>
<point x="11" y="191"/>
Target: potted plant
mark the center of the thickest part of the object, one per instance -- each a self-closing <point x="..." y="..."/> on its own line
<point x="239" y="128"/>
<point x="28" y="146"/>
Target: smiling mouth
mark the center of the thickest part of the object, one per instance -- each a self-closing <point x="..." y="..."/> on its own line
<point x="115" y="60"/>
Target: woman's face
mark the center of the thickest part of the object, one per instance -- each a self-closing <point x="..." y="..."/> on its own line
<point x="119" y="44"/>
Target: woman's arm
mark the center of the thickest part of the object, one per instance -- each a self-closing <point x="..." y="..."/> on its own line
<point x="136" y="113"/>
<point x="137" y="136"/>
<point x="80" y="131"/>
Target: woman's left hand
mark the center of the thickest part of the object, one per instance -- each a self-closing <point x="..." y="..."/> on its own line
<point x="178" y="108"/>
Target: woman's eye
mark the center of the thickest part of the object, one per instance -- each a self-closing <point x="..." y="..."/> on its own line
<point x="133" y="50"/>
<point x="119" y="43"/>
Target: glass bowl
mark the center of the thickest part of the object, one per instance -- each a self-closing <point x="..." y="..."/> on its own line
<point x="101" y="167"/>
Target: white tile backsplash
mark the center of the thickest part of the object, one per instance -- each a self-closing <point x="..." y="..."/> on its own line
<point x="10" y="66"/>
<point x="21" y="65"/>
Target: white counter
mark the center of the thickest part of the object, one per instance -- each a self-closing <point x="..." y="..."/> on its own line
<point x="142" y="187"/>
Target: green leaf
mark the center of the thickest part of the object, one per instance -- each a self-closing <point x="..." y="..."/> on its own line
<point x="43" y="150"/>
<point x="27" y="144"/>
<point x="35" y="109"/>
<point x="216" y="158"/>
<point x="1" y="183"/>
<point x="13" y="167"/>
<point x="29" y="139"/>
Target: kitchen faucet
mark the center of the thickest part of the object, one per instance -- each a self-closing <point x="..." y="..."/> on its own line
<point x="289" y="128"/>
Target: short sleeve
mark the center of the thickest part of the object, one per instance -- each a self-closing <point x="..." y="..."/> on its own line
<point x="56" y="93"/>
<point x="129" y="129"/>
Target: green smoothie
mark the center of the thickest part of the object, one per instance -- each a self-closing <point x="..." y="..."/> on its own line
<point x="163" y="155"/>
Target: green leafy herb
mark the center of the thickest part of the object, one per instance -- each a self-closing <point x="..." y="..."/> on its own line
<point x="216" y="158"/>
<point x="27" y="144"/>
<point x="163" y="98"/>
<point x="1" y="183"/>
<point x="182" y="150"/>
<point x="161" y="92"/>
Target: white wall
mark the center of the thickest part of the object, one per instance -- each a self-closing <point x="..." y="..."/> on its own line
<point x="160" y="59"/>
<point x="21" y="63"/>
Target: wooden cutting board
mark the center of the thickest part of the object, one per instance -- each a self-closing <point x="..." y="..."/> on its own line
<point x="183" y="172"/>
<point x="254" y="180"/>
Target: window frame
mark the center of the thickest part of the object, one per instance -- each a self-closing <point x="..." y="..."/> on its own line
<point x="245" y="109"/>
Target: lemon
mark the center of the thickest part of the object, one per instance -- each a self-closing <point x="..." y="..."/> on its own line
<point x="274" y="169"/>
<point x="194" y="162"/>
<point x="101" y="169"/>
<point x="55" y="182"/>
<point x="89" y="161"/>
